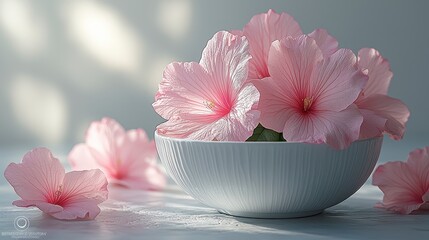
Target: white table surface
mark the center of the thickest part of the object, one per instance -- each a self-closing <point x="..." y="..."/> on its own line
<point x="171" y="214"/>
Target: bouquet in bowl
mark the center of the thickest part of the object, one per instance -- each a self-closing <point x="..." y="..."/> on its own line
<point x="272" y="82"/>
<point x="267" y="84"/>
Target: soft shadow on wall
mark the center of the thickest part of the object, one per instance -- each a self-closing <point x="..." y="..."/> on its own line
<point x="66" y="63"/>
<point x="72" y="62"/>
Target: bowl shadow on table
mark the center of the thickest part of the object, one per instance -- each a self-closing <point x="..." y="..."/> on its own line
<point x="349" y="222"/>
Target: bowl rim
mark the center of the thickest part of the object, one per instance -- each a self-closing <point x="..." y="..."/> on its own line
<point x="156" y="135"/>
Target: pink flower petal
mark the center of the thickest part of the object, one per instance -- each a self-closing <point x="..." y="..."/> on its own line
<point x="291" y="62"/>
<point x="81" y="157"/>
<point x="42" y="205"/>
<point x="426" y="199"/>
<point x="337" y="82"/>
<point x="78" y="209"/>
<point x="404" y="208"/>
<point x="240" y="127"/>
<point x="148" y="176"/>
<point x="418" y="161"/>
<point x="103" y="136"/>
<point x="91" y="184"/>
<point x="261" y="31"/>
<point x="378" y="70"/>
<point x="135" y="144"/>
<point x="274" y="104"/>
<point x="338" y="129"/>
<point x="226" y="58"/>
<point x="184" y="89"/>
<point x="393" y="110"/>
<point x="139" y="164"/>
<point x="326" y="42"/>
<point x="177" y="127"/>
<point x="373" y="125"/>
<point x="37" y="177"/>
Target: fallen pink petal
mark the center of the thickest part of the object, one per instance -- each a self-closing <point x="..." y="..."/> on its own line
<point x="40" y="180"/>
<point x="405" y="184"/>
<point x="128" y="158"/>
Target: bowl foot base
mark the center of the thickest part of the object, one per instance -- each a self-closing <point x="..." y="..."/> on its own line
<point x="271" y="215"/>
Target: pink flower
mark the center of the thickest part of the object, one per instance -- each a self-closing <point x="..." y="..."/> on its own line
<point x="261" y="31"/>
<point x="40" y="180"/>
<point x="381" y="113"/>
<point x="210" y="100"/>
<point x="405" y="184"/>
<point x="309" y="96"/>
<point x="127" y="158"/>
<point x="265" y="28"/>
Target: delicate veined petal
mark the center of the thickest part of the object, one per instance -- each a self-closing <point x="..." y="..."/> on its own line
<point x="210" y="100"/>
<point x="393" y="110"/>
<point x="80" y="208"/>
<point x="176" y="127"/>
<point x="37" y="177"/>
<point x="291" y="62"/>
<point x="405" y="184"/>
<point x="378" y="69"/>
<point x="128" y="159"/>
<point x="184" y="89"/>
<point x="41" y="182"/>
<point x="234" y="126"/>
<point x="226" y="59"/>
<point x="326" y="42"/>
<point x="261" y="31"/>
<point x="337" y="82"/>
<point x="338" y="129"/>
<point x="274" y="103"/>
<point x="241" y="127"/>
<point x="90" y="184"/>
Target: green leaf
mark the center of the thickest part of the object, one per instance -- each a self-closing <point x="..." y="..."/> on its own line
<point x="264" y="134"/>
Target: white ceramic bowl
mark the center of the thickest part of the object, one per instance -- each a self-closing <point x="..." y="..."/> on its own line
<point x="268" y="179"/>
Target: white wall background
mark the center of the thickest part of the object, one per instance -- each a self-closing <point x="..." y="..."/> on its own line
<point x="66" y="63"/>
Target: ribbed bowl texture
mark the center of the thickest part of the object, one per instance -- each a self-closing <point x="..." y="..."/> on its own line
<point x="268" y="179"/>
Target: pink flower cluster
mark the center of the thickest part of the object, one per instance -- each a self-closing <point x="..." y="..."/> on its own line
<point x="270" y="73"/>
